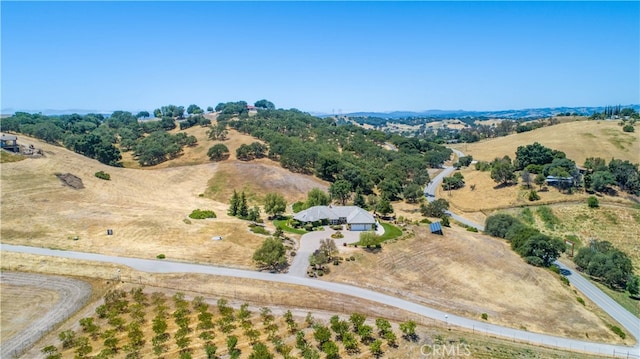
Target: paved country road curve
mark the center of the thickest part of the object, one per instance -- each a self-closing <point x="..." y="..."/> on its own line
<point x="160" y="266"/>
<point x="73" y="294"/>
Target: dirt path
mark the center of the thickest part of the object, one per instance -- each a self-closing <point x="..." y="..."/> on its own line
<point x="72" y="295"/>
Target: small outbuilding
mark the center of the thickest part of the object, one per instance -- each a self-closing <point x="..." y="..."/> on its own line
<point x="436" y="228"/>
<point x="9" y="143"/>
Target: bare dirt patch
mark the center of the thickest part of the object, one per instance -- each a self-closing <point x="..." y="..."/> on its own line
<point x="470" y="274"/>
<point x="70" y="180"/>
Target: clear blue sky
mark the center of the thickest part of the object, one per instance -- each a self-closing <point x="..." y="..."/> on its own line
<point x="319" y="56"/>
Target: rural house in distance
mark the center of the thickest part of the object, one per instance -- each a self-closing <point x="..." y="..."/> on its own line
<point x="356" y="218"/>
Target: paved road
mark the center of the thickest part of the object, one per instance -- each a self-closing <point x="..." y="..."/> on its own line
<point x="309" y="242"/>
<point x="615" y="310"/>
<point x="162" y="266"/>
<point x="629" y="321"/>
<point x="430" y="193"/>
<point x="73" y="294"/>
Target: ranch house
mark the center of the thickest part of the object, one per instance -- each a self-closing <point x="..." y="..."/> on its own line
<point x="356" y="218"/>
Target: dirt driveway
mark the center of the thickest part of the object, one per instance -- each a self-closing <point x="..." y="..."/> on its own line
<point x="72" y="294"/>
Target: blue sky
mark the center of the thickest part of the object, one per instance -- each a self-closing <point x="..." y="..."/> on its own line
<point x="319" y="56"/>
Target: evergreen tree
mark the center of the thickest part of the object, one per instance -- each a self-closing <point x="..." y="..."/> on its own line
<point x="243" y="210"/>
<point x="234" y="205"/>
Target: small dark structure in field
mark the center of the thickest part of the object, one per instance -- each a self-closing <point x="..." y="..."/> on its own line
<point x="436" y="228"/>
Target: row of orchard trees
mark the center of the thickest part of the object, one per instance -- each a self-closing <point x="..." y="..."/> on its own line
<point x="179" y="328"/>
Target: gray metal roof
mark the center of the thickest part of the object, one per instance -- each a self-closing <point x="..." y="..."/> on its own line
<point x="352" y="214"/>
<point x="8" y="137"/>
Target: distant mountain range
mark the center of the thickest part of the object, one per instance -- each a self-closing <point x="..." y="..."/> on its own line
<point x="505" y="114"/>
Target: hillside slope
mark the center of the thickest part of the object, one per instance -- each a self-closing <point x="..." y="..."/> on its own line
<point x="579" y="140"/>
<point x="146" y="209"/>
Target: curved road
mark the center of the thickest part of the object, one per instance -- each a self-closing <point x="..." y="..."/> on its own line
<point x="629" y="321"/>
<point x="160" y="266"/>
<point x="73" y="295"/>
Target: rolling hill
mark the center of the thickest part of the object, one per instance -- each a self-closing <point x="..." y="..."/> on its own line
<point x="578" y="139"/>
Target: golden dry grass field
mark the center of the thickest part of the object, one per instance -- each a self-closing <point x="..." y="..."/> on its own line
<point x="619" y="225"/>
<point x="146" y="209"/>
<point x="578" y="139"/>
<point x="469" y="274"/>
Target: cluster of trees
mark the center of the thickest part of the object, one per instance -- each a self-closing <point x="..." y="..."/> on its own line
<point x="600" y="175"/>
<point x="615" y="111"/>
<point x="454" y="182"/>
<point x="475" y="132"/>
<point x="194" y="120"/>
<point x="218" y="152"/>
<point x="250" y="152"/>
<point x="306" y="144"/>
<point x="602" y="260"/>
<point x="238" y="207"/>
<point x="159" y="146"/>
<point x="103" y="138"/>
<point x="536" y="248"/>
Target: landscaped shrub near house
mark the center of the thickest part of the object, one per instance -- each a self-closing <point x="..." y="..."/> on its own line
<point x="258" y="230"/>
<point x="202" y="214"/>
<point x="103" y="175"/>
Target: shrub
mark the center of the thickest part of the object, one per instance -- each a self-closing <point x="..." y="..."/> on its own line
<point x="259" y="230"/>
<point x="485" y="316"/>
<point x="580" y="300"/>
<point x="472" y="229"/>
<point x="337" y="235"/>
<point x="592" y="202"/>
<point x="103" y="175"/>
<point x="202" y="214"/>
<point x="161" y="256"/>
<point x="536" y="261"/>
<point x="533" y="195"/>
<point x="352" y="258"/>
<point x="618" y="331"/>
<point x="564" y="280"/>
<point x="628" y="128"/>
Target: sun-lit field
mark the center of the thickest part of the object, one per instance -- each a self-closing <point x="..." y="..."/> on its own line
<point x="146" y="209"/>
<point x="258" y="294"/>
<point x="578" y="139"/>
<point x="470" y="274"/>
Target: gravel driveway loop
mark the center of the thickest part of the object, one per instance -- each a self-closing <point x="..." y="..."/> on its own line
<point x="73" y="296"/>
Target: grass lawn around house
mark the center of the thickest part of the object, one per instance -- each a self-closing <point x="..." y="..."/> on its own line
<point x="390" y="232"/>
<point x="282" y="223"/>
